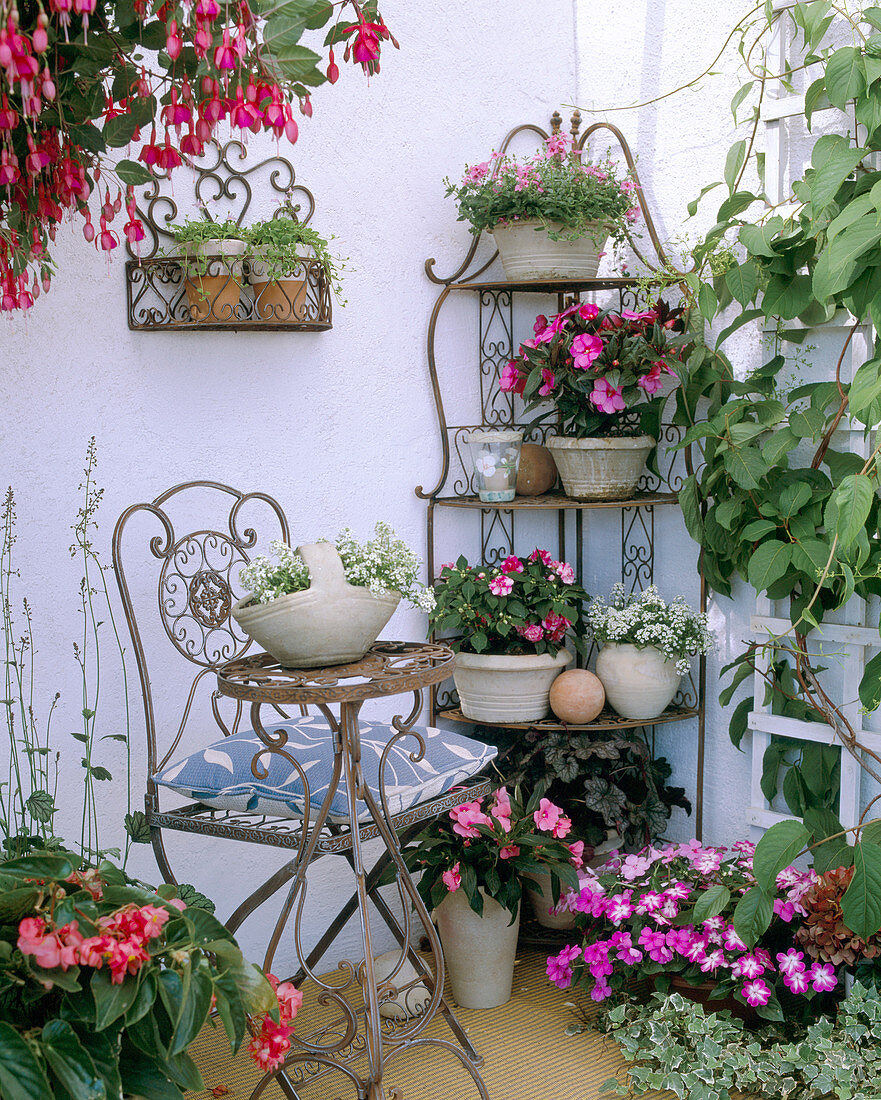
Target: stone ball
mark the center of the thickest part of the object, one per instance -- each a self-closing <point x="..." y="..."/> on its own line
<point x="577" y="696"/>
<point x="537" y="471"/>
<point x="408" y="1003"/>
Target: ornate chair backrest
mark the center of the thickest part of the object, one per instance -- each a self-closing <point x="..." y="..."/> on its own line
<point x="196" y="575"/>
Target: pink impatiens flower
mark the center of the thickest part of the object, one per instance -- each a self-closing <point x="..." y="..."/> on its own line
<point x="466" y="816"/>
<point x="559" y="967"/>
<point x="532" y="633"/>
<point x="822" y="976"/>
<point x="548" y="379"/>
<point x="551" y="819"/>
<point x="501" y="586"/>
<point x="652" y="381"/>
<point x="577" y="850"/>
<point x="607" y="398"/>
<point x="509" y="851"/>
<point x="512" y="564"/>
<point x="452" y="879"/>
<point x="791" y="963"/>
<point x="501" y="809"/>
<point x="584" y="349"/>
<point x="756" y="993"/>
<point x="797" y="982"/>
<point x="748" y="966"/>
<point x="542" y="555"/>
<point x="512" y="381"/>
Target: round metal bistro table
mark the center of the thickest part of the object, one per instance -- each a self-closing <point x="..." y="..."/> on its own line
<point x="358" y="1037"/>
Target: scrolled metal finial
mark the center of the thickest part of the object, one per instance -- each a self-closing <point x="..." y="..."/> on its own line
<point x="556" y="122"/>
<point x="576" y="125"/>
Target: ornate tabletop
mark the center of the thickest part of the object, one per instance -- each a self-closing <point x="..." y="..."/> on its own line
<point x="388" y="668"/>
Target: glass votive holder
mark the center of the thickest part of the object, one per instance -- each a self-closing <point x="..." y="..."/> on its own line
<point x="495" y="458"/>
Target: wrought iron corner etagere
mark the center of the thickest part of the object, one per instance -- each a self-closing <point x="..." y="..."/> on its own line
<point x="157" y="295"/>
<point x="455" y="489"/>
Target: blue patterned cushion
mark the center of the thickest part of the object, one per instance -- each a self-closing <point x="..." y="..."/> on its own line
<point x="220" y="775"/>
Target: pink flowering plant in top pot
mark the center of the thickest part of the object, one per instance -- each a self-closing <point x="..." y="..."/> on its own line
<point x="690" y="914"/>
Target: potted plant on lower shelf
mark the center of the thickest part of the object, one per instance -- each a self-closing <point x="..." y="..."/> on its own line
<point x="511" y="623"/>
<point x="551" y="215"/>
<point x="645" y="643"/>
<point x="605" y="376"/>
<point x="325" y="604"/>
<point x="211" y="259"/>
<point x="473" y="864"/>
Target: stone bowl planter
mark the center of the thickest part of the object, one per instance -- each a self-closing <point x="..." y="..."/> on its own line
<point x="331" y="622"/>
<point x="527" y="252"/>
<point x="639" y="683"/>
<point x="213" y="278"/>
<point x="600" y="469"/>
<point x="507" y="687"/>
<point x="479" y="951"/>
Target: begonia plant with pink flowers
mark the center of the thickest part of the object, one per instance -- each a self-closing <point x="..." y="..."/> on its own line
<point x="689" y="910"/>
<point x="604" y="372"/>
<point x="491" y="845"/>
<point x="104" y="983"/>
<point x="524" y="605"/>
<point x="559" y="186"/>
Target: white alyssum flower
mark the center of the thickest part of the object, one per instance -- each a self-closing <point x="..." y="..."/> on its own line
<point x="645" y="619"/>
<point x="384" y="564"/>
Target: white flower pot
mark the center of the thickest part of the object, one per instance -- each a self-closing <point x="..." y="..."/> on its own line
<point x="640" y="683"/>
<point x="537" y="888"/>
<point x="506" y="687"/>
<point x="213" y="278"/>
<point x="479" y="951"/>
<point x="527" y="252"/>
<point x="600" y="469"/>
<point x="331" y="622"/>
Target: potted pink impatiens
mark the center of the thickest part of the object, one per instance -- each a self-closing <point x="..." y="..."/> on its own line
<point x="473" y="864"/>
<point x="604" y="376"/>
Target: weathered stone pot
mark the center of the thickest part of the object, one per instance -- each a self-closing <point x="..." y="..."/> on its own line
<point x="639" y="683"/>
<point x="537" y="888"/>
<point x="479" y="951"/>
<point x="527" y="252"/>
<point x="331" y="622"/>
<point x="600" y="469"/>
<point x="213" y="278"/>
<point x="507" y="687"/>
<point x="276" y="299"/>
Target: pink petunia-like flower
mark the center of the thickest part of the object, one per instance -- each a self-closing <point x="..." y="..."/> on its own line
<point x="785" y="910"/>
<point x="451" y="878"/>
<point x="551" y="819"/>
<point x="549" y="380"/>
<point x="792" y="962"/>
<point x="512" y="381"/>
<point x="501" y="586"/>
<point x="559" y="967"/>
<point x="512" y="564"/>
<point x="823" y="977"/>
<point x="607" y="398"/>
<point x="756" y="993"/>
<point x="584" y="349"/>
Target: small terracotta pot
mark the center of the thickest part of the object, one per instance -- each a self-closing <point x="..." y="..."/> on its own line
<point x="284" y="300"/>
<point x="213" y="279"/>
<point x="700" y="994"/>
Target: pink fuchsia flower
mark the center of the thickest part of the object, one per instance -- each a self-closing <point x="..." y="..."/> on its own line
<point x="549" y="380"/>
<point x="651" y="382"/>
<point x="559" y="967"/>
<point x="501" y="586"/>
<point x="501" y="808"/>
<point x="822" y="977"/>
<point x="756" y="993"/>
<point x="509" y="851"/>
<point x="532" y="633"/>
<point x="512" y="564"/>
<point x="792" y="962"/>
<point x="466" y="816"/>
<point x="512" y="381"/>
<point x="551" y="819"/>
<point x="607" y="398"/>
<point x="451" y="878"/>
<point x="289" y="998"/>
<point x="584" y="349"/>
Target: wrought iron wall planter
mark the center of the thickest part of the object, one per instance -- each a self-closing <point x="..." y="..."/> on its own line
<point x="165" y="293"/>
<point x="455" y="489"/>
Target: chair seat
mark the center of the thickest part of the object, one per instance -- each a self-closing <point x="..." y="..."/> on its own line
<point x="220" y="775"/>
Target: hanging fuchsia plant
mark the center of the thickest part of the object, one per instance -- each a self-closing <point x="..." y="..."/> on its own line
<point x="80" y="78"/>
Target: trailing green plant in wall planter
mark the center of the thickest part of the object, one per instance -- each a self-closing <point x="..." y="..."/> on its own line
<point x="283" y="254"/>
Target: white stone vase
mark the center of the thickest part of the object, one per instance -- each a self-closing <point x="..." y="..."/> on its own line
<point x="537" y="888"/>
<point x="331" y="622"/>
<point x="479" y="951"/>
<point x="527" y="252"/>
<point x="504" y="687"/>
<point x="600" y="469"/>
<point x="640" y="683"/>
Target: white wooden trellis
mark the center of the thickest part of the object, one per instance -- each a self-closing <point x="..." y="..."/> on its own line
<point x="852" y="637"/>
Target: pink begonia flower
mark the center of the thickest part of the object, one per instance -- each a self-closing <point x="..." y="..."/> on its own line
<point x="512" y="381"/>
<point x="512" y="564"/>
<point x="290" y="1000"/>
<point x="551" y="819"/>
<point x="509" y="851"/>
<point x="501" y="586"/>
<point x="607" y="398"/>
<point x="466" y="816"/>
<point x="452" y="879"/>
<point x="577" y="850"/>
<point x="559" y="967"/>
<point x="651" y="382"/>
<point x="797" y="983"/>
<point x="549" y="380"/>
<point x="791" y="963"/>
<point x="541" y="554"/>
<point x="822" y="977"/>
<point x="584" y="349"/>
<point x="756" y="993"/>
<point x="532" y="633"/>
<point x="501" y="809"/>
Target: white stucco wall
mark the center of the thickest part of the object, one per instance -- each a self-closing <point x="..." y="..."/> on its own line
<point x="340" y="425"/>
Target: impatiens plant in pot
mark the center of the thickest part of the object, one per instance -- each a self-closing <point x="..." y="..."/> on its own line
<point x="212" y="266"/>
<point x="105" y="983"/>
<point x="605" y="377"/>
<point x="326" y="603"/>
<point x="645" y="644"/>
<point x="473" y="865"/>
<point x="511" y="623"/>
<point x="550" y="215"/>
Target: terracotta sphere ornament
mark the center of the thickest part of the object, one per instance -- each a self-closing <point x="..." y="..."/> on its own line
<point x="537" y="471"/>
<point x="577" y="696"/>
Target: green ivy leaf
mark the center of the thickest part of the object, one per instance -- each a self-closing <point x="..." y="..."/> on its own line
<point x="777" y="849"/>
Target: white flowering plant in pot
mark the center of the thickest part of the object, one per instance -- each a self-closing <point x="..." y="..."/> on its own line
<point x="646" y="643"/>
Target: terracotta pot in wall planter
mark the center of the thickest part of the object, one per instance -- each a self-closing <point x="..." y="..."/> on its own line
<point x="602" y="468"/>
<point x="527" y="252"/>
<point x="213" y="278"/>
<point x="277" y="298"/>
<point x="507" y="687"/>
<point x="639" y="683"/>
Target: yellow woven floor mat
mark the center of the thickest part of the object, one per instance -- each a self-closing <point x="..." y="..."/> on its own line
<point x="527" y="1055"/>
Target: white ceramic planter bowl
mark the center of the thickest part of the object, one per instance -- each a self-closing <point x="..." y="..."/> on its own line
<point x="640" y="683"/>
<point x="600" y="469"/>
<point x="331" y="622"/>
<point x="527" y="252"/>
<point x="506" y="687"/>
<point x="479" y="951"/>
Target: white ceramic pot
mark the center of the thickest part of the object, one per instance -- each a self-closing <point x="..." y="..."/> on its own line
<point x="479" y="951"/>
<point x="213" y="278"/>
<point x="507" y="687"/>
<point x="331" y="622"/>
<point x="640" y="683"/>
<point x="600" y="469"/>
<point x="527" y="252"/>
<point x="537" y="888"/>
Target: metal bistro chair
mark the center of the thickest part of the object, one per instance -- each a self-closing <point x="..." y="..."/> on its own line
<point x="196" y="575"/>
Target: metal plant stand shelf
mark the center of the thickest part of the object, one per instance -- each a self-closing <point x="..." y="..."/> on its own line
<point x="388" y="669"/>
<point x="455" y="487"/>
